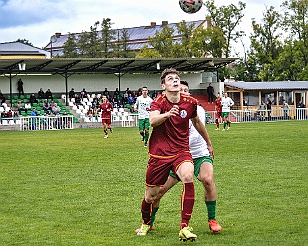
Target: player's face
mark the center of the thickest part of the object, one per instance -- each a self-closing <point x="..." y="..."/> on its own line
<point x="184" y="89"/>
<point x="226" y="94"/>
<point x="172" y="83"/>
<point x="104" y="99"/>
<point x="144" y="92"/>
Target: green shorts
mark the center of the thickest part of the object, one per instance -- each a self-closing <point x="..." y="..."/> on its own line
<point x="197" y="164"/>
<point x="225" y="114"/>
<point x="144" y="124"/>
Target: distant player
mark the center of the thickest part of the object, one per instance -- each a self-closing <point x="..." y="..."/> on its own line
<point x="143" y="106"/>
<point x="106" y="108"/>
<point x="226" y="103"/>
<point x="218" y="108"/>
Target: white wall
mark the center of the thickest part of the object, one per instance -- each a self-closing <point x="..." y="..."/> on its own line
<point x="93" y="82"/>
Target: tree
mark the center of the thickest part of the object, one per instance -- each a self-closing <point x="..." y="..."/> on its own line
<point x="227" y="18"/>
<point x="265" y="44"/>
<point x="94" y="41"/>
<point x="107" y="35"/>
<point x="24" y="41"/>
<point x="70" y="47"/>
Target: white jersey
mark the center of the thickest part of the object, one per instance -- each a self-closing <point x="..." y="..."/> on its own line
<point x="226" y="103"/>
<point x="142" y="103"/>
<point x="198" y="146"/>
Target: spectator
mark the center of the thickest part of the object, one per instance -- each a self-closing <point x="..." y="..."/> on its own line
<point x="71" y="94"/>
<point x="56" y="109"/>
<point x="48" y="94"/>
<point x="154" y="94"/>
<point x="269" y="108"/>
<point x="210" y="93"/>
<point x="2" y="98"/>
<point x="20" y="87"/>
<point x="262" y="110"/>
<point x="94" y="102"/>
<point x="131" y="101"/>
<point x="247" y="114"/>
<point x="46" y="105"/>
<point x="41" y="94"/>
<point x="33" y="99"/>
<point x="285" y="107"/>
<point x="83" y="93"/>
<point x="77" y="99"/>
<point x="106" y="92"/>
<point x="116" y="93"/>
<point x="33" y="121"/>
<point x="124" y="99"/>
<point x="27" y="106"/>
<point x="300" y="112"/>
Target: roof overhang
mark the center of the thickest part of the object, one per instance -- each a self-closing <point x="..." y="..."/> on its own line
<point x="111" y="65"/>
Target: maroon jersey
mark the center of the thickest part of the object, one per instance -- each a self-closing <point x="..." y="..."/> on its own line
<point x="218" y="105"/>
<point x="172" y="136"/>
<point x="106" y="109"/>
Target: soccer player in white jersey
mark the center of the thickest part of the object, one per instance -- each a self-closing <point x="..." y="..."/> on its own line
<point x="143" y="106"/>
<point x="226" y="103"/>
<point x="203" y="170"/>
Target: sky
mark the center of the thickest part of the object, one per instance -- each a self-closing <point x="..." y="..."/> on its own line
<point x="38" y="20"/>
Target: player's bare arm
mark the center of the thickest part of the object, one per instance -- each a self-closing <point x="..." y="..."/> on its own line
<point x="198" y="124"/>
<point x="156" y="118"/>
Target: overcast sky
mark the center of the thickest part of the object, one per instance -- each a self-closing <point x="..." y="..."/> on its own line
<point x="38" y="20"/>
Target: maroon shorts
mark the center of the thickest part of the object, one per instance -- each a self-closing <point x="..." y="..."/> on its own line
<point x="218" y="115"/>
<point x="158" y="168"/>
<point x="106" y="121"/>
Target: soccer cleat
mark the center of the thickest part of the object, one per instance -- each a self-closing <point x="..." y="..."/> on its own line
<point x="224" y="129"/>
<point x="111" y="131"/>
<point x="143" y="230"/>
<point x="217" y="129"/>
<point x="228" y="128"/>
<point x="145" y="145"/>
<point x="214" y="226"/>
<point x="151" y="228"/>
<point x="186" y="234"/>
<point x="106" y="136"/>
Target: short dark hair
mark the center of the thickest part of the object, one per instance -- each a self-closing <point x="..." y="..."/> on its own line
<point x="184" y="82"/>
<point x="166" y="72"/>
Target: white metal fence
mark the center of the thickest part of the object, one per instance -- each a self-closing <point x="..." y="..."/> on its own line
<point x="131" y="120"/>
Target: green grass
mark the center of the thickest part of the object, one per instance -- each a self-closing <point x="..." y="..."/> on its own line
<point x="72" y="187"/>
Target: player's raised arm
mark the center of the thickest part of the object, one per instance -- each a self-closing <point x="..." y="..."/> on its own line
<point x="156" y="118"/>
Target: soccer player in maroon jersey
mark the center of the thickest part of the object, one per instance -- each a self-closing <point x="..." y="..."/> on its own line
<point x="169" y="149"/>
<point x="218" y="108"/>
<point x="106" y="108"/>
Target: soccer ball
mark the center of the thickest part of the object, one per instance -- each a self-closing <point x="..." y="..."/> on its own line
<point x="190" y="6"/>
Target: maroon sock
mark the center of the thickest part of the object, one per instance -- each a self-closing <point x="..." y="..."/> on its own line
<point x="146" y="209"/>
<point x="187" y="203"/>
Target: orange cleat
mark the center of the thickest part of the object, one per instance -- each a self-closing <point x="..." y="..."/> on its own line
<point x="214" y="226"/>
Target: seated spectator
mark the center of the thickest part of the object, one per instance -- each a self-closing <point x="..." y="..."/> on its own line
<point x="48" y="94"/>
<point x="89" y="113"/>
<point x="33" y="99"/>
<point x="77" y="99"/>
<point x="94" y="103"/>
<point x="41" y="94"/>
<point x="2" y="98"/>
<point x="46" y="105"/>
<point x="56" y="109"/>
<point x="131" y="101"/>
<point x="105" y="92"/>
<point x="9" y="114"/>
<point x="116" y="93"/>
<point x="27" y="106"/>
<point x="71" y="94"/>
<point x="51" y="104"/>
<point x="124" y="99"/>
<point x="154" y="94"/>
<point x="83" y="93"/>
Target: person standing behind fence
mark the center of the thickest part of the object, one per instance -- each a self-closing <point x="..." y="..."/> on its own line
<point x="143" y="106"/>
<point x="20" y="87"/>
<point x="269" y="108"/>
<point x="285" y="107"/>
<point x="226" y="103"/>
<point x="210" y="93"/>
<point x="218" y="108"/>
<point x="106" y="107"/>
<point x="300" y="112"/>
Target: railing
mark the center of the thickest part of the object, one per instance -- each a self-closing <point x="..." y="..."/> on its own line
<point x="262" y="115"/>
<point x="37" y="123"/>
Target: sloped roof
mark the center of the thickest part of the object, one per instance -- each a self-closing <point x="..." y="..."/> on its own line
<point x="18" y="48"/>
<point x="138" y="36"/>
<point x="274" y="85"/>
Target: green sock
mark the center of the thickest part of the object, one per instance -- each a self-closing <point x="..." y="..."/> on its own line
<point x="152" y="218"/>
<point x="211" y="209"/>
<point x="146" y="137"/>
<point x="225" y="125"/>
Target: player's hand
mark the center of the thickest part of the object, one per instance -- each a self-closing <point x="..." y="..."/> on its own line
<point x="174" y="111"/>
<point x="210" y="148"/>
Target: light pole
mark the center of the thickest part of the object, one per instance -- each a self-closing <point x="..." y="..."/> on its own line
<point x="53" y="39"/>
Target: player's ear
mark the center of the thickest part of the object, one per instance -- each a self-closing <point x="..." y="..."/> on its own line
<point x="163" y="86"/>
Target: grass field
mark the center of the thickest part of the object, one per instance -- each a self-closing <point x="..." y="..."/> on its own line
<point x="72" y="187"/>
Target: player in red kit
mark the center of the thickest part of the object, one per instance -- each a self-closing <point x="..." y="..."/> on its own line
<point x="106" y="108"/>
<point x="169" y="149"/>
<point x="218" y="108"/>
